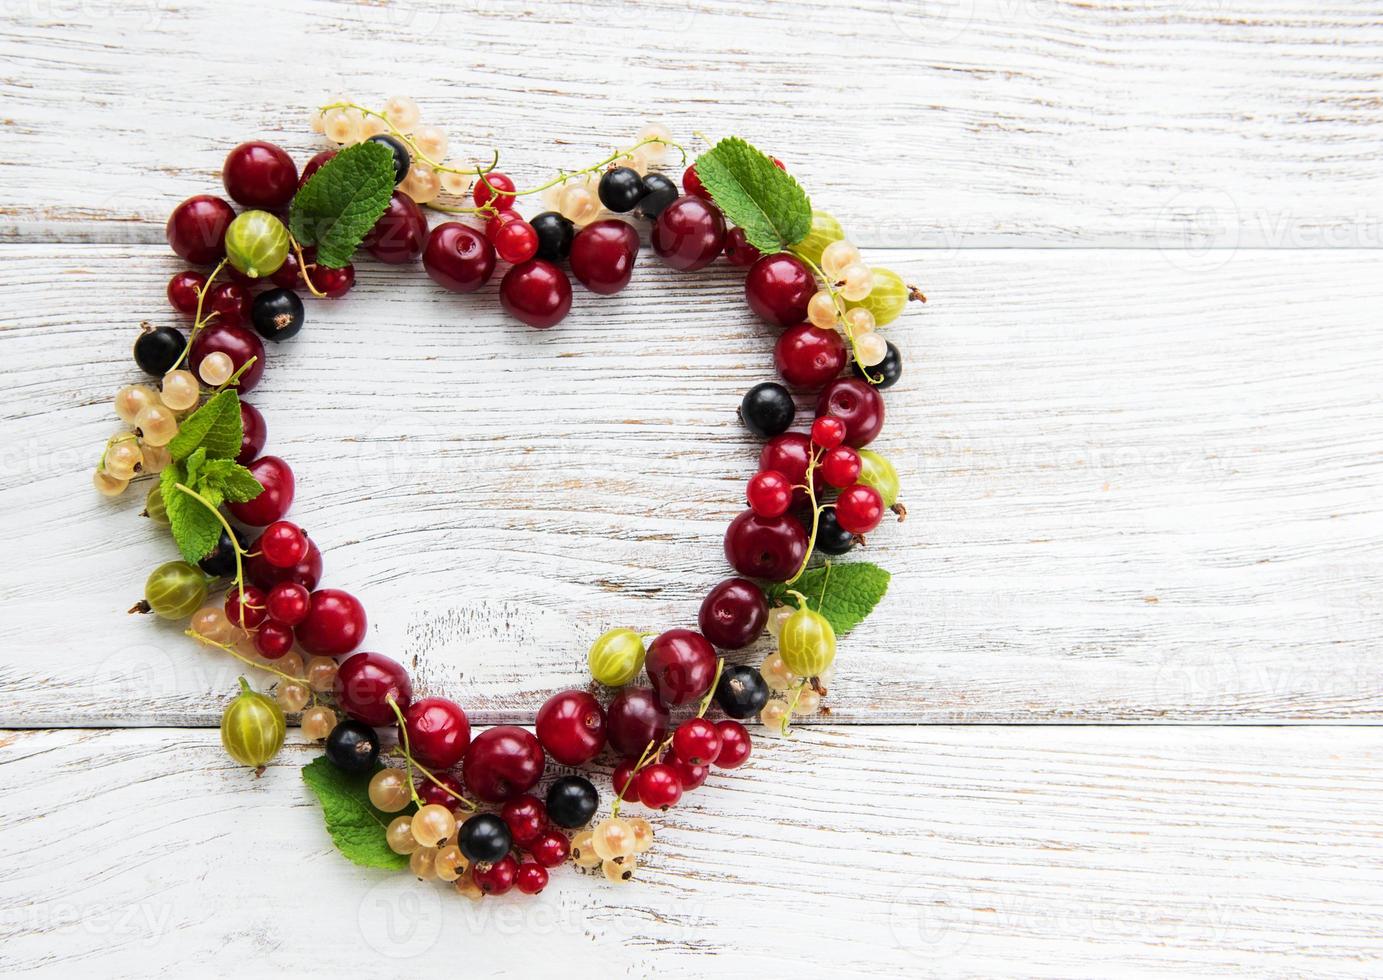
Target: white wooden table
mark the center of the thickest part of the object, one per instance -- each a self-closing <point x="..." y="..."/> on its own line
<point x="1117" y="713"/>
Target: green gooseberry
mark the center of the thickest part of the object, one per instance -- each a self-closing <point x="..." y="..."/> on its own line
<point x="825" y="230"/>
<point x="878" y="472"/>
<point x="252" y="728"/>
<point x="175" y="590"/>
<point x="616" y="658"/>
<point x="887" y="299"/>
<point x="807" y="643"/>
<point x="257" y="243"/>
<point x="154" y="507"/>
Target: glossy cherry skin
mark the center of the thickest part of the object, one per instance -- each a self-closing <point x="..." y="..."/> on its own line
<point x="659" y="787"/>
<point x="239" y="343"/>
<point x="196" y="229"/>
<point x="691" y="183"/>
<point x="733" y="614"/>
<point x="288" y="603"/>
<point x="334" y="282"/>
<point x="400" y="233"/>
<point x="739" y="251"/>
<point x="602" y="255"/>
<point x="497" y="878"/>
<point x="769" y="548"/>
<point x="527" y="819"/>
<point x="690" y="776"/>
<point x="681" y="665"/>
<point x="335" y="624"/>
<point x="531" y="878"/>
<point x="306" y="573"/>
<point x="502" y="763"/>
<point x="430" y="792"/>
<point x="182" y="291"/>
<point x="634" y="718"/>
<point x="689" y="234"/>
<point x="551" y="849"/>
<point x="273" y="503"/>
<point x="438" y="732"/>
<point x="696" y="741"/>
<point x="571" y="726"/>
<point x="734" y="744"/>
<point x="367" y="682"/>
<point x="624" y="781"/>
<point x="314" y="164"/>
<point x="230" y="301"/>
<point x="260" y="175"/>
<point x="536" y="292"/>
<point x="253" y="433"/>
<point x="789" y="454"/>
<point x="858" y="405"/>
<point x="458" y="257"/>
<point x="809" y="356"/>
<point x="778" y="288"/>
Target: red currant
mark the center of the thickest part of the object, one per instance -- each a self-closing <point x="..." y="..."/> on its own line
<point x="531" y="878"/>
<point x="288" y="603"/>
<point x="183" y="290"/>
<point x="625" y="782"/>
<point x="858" y="405"/>
<point x="734" y="744"/>
<point x="840" y="467"/>
<point x="260" y="175"/>
<point x="571" y="726"/>
<point x="696" y="741"/>
<point x="242" y="346"/>
<point x="335" y="624"/>
<point x="691" y="183"/>
<point x="738" y="250"/>
<point x="681" y="665"/>
<point x="859" y="509"/>
<point x="527" y="819"/>
<point x="306" y="573"/>
<point x="458" y="257"/>
<point x="690" y="776"/>
<point x="602" y="255"/>
<point x="790" y="454"/>
<point x="284" y="544"/>
<point x="400" y="233"/>
<point x="273" y="639"/>
<point x="245" y="608"/>
<point x="551" y="849"/>
<point x="659" y="787"/>
<point x="733" y="614"/>
<point x="634" y="719"/>
<point x="809" y="356"/>
<point x="778" y="288"/>
<point x="769" y="493"/>
<point x="828" y="432"/>
<point x="498" y="221"/>
<point x="196" y="229"/>
<point x="230" y="301"/>
<point x="438" y="732"/>
<point x="766" y="547"/>
<point x="536" y="292"/>
<point x="366" y="684"/>
<point x="497" y="878"/>
<point x="253" y="433"/>
<point x="503" y="763"/>
<point x="492" y="194"/>
<point x="516" y="242"/>
<point x="689" y="234"/>
<point x="279" y="486"/>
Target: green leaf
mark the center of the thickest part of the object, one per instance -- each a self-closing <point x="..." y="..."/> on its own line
<point x="195" y="528"/>
<point x="215" y="426"/>
<point x="233" y="481"/>
<point x="851" y="591"/>
<point x="341" y="202"/>
<point x="356" y="827"/>
<point x="767" y="203"/>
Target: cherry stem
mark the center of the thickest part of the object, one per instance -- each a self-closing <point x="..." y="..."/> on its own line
<point x="812" y="462"/>
<point x="302" y="268"/>
<point x="235" y="545"/>
<point x="197" y="321"/>
<point x="411" y="763"/>
<point x="200" y="638"/>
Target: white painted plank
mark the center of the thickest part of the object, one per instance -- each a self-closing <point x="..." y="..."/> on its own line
<point x="856" y="851"/>
<point x="963" y="122"/>
<point x="1138" y="491"/>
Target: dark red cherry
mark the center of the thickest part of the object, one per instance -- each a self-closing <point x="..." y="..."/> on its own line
<point x="183" y="290"/>
<point x="856" y="403"/>
<point x="334" y="282"/>
<point x="691" y="183"/>
<point x="571" y="726"/>
<point x="734" y="744"/>
<point x="274" y="502"/>
<point x="681" y="665"/>
<point x="458" y="257"/>
<point x="502" y="763"/>
<point x="438" y="732"/>
<point x="536" y="292"/>
<point x="634" y="718"/>
<point x="626" y="784"/>
<point x="335" y="624"/>
<point x="365" y="685"/>
<point x="230" y="301"/>
<point x="733" y="614"/>
<point x="789" y="454"/>
<point x="239" y="343"/>
<point x="739" y="251"/>
<point x="430" y="792"/>
<point x="196" y="229"/>
<point x="260" y="175"/>
<point x="253" y="433"/>
<point x="769" y="548"/>
<point x="400" y="233"/>
<point x="602" y="255"/>
<point x="689" y="234"/>
<point x="315" y="164"/>
<point x="809" y="356"/>
<point x="527" y="819"/>
<point x="778" y="288"/>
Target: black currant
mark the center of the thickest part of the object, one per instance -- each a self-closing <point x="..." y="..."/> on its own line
<point x="484" y="838"/>
<point x="353" y="746"/>
<point x="396" y="147"/>
<point x="658" y="193"/>
<point x="572" y="801"/>
<point x="158" y="349"/>
<point x="890" y="369"/>
<point x="621" y="189"/>
<point x="767" y="409"/>
<point x="742" y="692"/>
<point x="277" y="314"/>
<point x="555" y="234"/>
<point x="220" y="563"/>
<point x="831" y="538"/>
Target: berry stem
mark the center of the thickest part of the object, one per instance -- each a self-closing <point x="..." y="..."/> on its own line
<point x="242" y="658"/>
<point x="812" y="463"/>
<point x="407" y="141"/>
<point x="412" y="763"/>
<point x="230" y="533"/>
<point x="302" y="268"/>
<point x="839" y="304"/>
<point x="197" y="321"/>
<point x="564" y="175"/>
<point x="236" y="376"/>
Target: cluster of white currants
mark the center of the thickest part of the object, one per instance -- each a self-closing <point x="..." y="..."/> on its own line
<point x="577" y="198"/>
<point x="842" y="263"/>
<point x="348" y="126"/>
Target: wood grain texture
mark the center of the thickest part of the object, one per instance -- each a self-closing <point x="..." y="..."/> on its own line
<point x="1040" y="852"/>
<point x="1138" y="491"/>
<point x="971" y="122"/>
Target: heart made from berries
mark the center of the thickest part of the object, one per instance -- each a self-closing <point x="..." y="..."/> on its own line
<point x="457" y="808"/>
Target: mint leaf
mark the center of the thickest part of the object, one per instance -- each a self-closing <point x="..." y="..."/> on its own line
<point x="195" y="529"/>
<point x="215" y="426"/>
<point x="341" y="202"/>
<point x="193" y="465"/>
<point x="852" y="591"/>
<point x="231" y="480"/>
<point x="356" y="827"/>
<point x="767" y="203"/>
